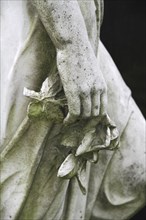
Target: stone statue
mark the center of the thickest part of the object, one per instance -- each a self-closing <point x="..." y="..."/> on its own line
<point x="72" y="136"/>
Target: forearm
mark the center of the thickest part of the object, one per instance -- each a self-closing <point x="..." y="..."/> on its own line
<point x="63" y="21"/>
<point x="65" y="25"/>
<point x="81" y="77"/>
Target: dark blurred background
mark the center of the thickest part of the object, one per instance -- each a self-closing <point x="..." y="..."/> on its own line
<point x="123" y="33"/>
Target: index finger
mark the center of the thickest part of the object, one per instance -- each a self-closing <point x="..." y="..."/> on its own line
<point x="74" y="107"/>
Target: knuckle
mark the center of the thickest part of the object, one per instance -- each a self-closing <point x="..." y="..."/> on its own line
<point x="85" y="90"/>
<point x="104" y="90"/>
<point x="100" y="88"/>
<point x="97" y="90"/>
<point x="73" y="95"/>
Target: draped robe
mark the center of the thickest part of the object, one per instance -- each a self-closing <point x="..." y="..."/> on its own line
<point x="30" y="188"/>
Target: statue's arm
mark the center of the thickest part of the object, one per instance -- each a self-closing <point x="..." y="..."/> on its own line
<point x="82" y="80"/>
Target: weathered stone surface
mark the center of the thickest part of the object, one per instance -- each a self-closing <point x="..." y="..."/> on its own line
<point x="66" y="152"/>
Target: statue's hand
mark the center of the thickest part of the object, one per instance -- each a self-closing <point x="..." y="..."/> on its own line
<point x="81" y="77"/>
<point x="83" y="84"/>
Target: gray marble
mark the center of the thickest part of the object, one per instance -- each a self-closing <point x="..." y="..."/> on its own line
<point x="72" y="136"/>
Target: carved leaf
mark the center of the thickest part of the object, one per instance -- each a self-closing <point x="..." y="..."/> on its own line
<point x="69" y="167"/>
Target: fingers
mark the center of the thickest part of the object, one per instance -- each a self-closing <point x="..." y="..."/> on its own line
<point x="86" y="105"/>
<point x="74" y="107"/>
<point x="95" y="103"/>
<point x="103" y="105"/>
